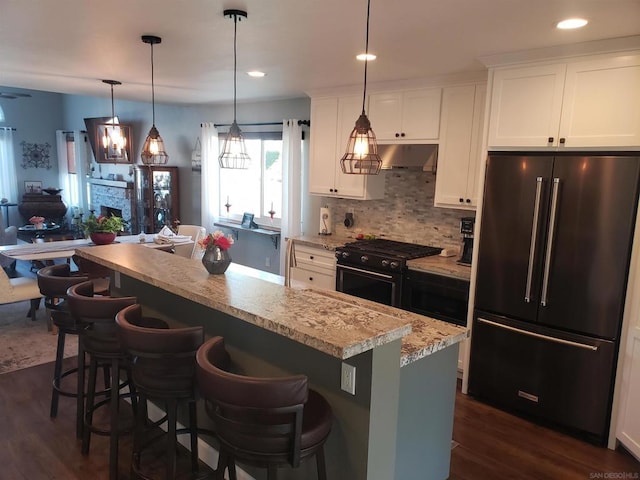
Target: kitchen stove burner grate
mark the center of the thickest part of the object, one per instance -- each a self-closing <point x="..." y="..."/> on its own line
<point x="392" y="248"/>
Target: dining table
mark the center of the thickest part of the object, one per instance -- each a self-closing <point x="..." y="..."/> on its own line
<point x="65" y="249"/>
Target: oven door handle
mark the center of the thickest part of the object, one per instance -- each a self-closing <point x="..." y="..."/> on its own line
<point x="366" y="272"/>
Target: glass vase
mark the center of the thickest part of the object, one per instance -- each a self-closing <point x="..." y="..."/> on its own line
<point x="216" y="260"/>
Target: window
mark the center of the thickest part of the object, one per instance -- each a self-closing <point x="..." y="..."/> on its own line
<point x="258" y="189"/>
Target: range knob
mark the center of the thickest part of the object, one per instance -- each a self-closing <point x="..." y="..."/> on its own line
<point x="364" y="259"/>
<point x="345" y="254"/>
<point x="384" y="263"/>
<point x="394" y="264"/>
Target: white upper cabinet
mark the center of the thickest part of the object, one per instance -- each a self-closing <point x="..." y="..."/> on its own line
<point x="459" y="152"/>
<point x="590" y="103"/>
<point x="410" y="116"/>
<point x="332" y="119"/>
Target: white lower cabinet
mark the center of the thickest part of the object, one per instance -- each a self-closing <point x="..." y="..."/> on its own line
<point x="314" y="268"/>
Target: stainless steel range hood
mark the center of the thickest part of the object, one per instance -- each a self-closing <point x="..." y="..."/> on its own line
<point x="409" y="156"/>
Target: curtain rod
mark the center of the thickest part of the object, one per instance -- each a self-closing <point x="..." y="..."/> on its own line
<point x="259" y="124"/>
<point x="8" y="128"/>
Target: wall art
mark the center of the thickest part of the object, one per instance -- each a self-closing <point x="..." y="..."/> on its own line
<point x="35" y="155"/>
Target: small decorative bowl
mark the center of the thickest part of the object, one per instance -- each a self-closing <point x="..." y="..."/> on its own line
<point x="52" y="191"/>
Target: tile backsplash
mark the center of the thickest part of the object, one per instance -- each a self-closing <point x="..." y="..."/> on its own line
<point x="405" y="214"/>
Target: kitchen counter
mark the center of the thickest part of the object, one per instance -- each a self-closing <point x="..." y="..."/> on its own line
<point x="427" y="336"/>
<point x="446" y="266"/>
<point x="398" y="420"/>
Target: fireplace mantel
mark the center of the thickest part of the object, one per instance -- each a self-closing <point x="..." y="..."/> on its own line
<point x="111" y="183"/>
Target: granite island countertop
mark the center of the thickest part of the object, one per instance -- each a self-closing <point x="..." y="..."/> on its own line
<point x="336" y="326"/>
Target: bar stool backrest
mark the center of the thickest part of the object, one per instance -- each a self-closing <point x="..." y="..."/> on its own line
<point x="164" y="359"/>
<point x="54" y="281"/>
<point x="259" y="418"/>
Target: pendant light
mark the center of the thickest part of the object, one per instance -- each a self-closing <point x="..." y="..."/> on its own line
<point x="153" y="152"/>
<point x="361" y="157"/>
<point x="234" y="151"/>
<point x="113" y="135"/>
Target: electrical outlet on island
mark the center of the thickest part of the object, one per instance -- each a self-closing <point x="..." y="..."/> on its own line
<point x="348" y="378"/>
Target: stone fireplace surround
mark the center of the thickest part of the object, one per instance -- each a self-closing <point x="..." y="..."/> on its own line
<point x="114" y="195"/>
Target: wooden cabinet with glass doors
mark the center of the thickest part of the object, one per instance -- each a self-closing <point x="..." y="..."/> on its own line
<point x="157" y="198"/>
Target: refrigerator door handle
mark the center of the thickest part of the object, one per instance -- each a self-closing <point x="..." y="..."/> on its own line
<point x="552" y="229"/>
<point x="593" y="348"/>
<point x="534" y="236"/>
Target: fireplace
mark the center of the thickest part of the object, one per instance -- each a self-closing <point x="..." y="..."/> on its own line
<point x="111" y="197"/>
<point x="110" y="211"/>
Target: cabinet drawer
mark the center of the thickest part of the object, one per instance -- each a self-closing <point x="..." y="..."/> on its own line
<point x="314" y="258"/>
<point x="313" y="279"/>
<point x="562" y="377"/>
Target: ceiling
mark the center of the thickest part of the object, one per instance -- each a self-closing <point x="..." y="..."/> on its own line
<point x="302" y="45"/>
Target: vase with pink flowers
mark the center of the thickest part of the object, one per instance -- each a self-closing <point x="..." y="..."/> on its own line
<point x="216" y="258"/>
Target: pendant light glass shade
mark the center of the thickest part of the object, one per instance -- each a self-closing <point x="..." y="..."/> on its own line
<point x="113" y="136"/>
<point x="361" y="157"/>
<point x="234" y="151"/>
<point x="153" y="152"/>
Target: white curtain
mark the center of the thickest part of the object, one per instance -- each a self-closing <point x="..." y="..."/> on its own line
<point x="72" y="169"/>
<point x="8" y="178"/>
<point x="210" y="183"/>
<point x="291" y="224"/>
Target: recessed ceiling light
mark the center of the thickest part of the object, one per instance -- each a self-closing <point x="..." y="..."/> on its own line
<point x="570" y="23"/>
<point x="256" y="74"/>
<point x="366" y="56"/>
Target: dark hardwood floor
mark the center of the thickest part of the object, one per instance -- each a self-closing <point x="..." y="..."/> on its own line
<point x="492" y="444"/>
<point x="495" y="445"/>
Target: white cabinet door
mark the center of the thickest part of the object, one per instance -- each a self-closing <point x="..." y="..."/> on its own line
<point x="349" y="110"/>
<point x="525" y="106"/>
<point x="628" y="431"/>
<point x="421" y="114"/>
<point x="406" y="116"/>
<point x="332" y="120"/>
<point x="314" y="267"/>
<point x="324" y="121"/>
<point x="601" y="105"/>
<point x="385" y="114"/>
<point x="460" y="143"/>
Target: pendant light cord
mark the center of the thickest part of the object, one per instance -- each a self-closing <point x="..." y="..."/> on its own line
<point x="235" y="62"/>
<point x="153" y="94"/>
<point x="366" y="58"/>
<point x="113" y="112"/>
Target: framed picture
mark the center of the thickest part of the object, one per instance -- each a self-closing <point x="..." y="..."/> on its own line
<point x="32" y="187"/>
<point x="247" y="220"/>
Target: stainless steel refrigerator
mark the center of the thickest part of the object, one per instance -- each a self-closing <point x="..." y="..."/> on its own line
<point x="553" y="259"/>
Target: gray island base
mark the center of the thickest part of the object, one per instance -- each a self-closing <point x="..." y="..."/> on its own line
<point x="398" y="424"/>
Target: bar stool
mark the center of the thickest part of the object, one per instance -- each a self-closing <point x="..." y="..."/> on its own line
<point x="265" y="422"/>
<point x="99" y="340"/>
<point x="163" y="370"/>
<point x="53" y="282"/>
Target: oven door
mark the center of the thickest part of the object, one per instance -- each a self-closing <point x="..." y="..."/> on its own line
<point x="376" y="286"/>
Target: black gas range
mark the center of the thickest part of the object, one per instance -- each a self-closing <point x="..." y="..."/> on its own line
<point x="374" y="269"/>
<point x="381" y="254"/>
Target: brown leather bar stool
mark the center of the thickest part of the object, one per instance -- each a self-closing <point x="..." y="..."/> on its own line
<point x="265" y="422"/>
<point x="97" y="273"/>
<point x="99" y="340"/>
<point x="164" y="369"/>
<point x="53" y="282"/>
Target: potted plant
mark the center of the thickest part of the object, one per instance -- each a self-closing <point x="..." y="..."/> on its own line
<point x="102" y="229"/>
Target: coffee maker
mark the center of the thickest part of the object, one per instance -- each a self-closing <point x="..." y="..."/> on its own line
<point x="466" y="229"/>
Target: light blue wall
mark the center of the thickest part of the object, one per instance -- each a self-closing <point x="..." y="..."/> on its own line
<point x="36" y="120"/>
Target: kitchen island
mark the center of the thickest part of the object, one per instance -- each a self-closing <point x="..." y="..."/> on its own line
<point x="399" y="422"/>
